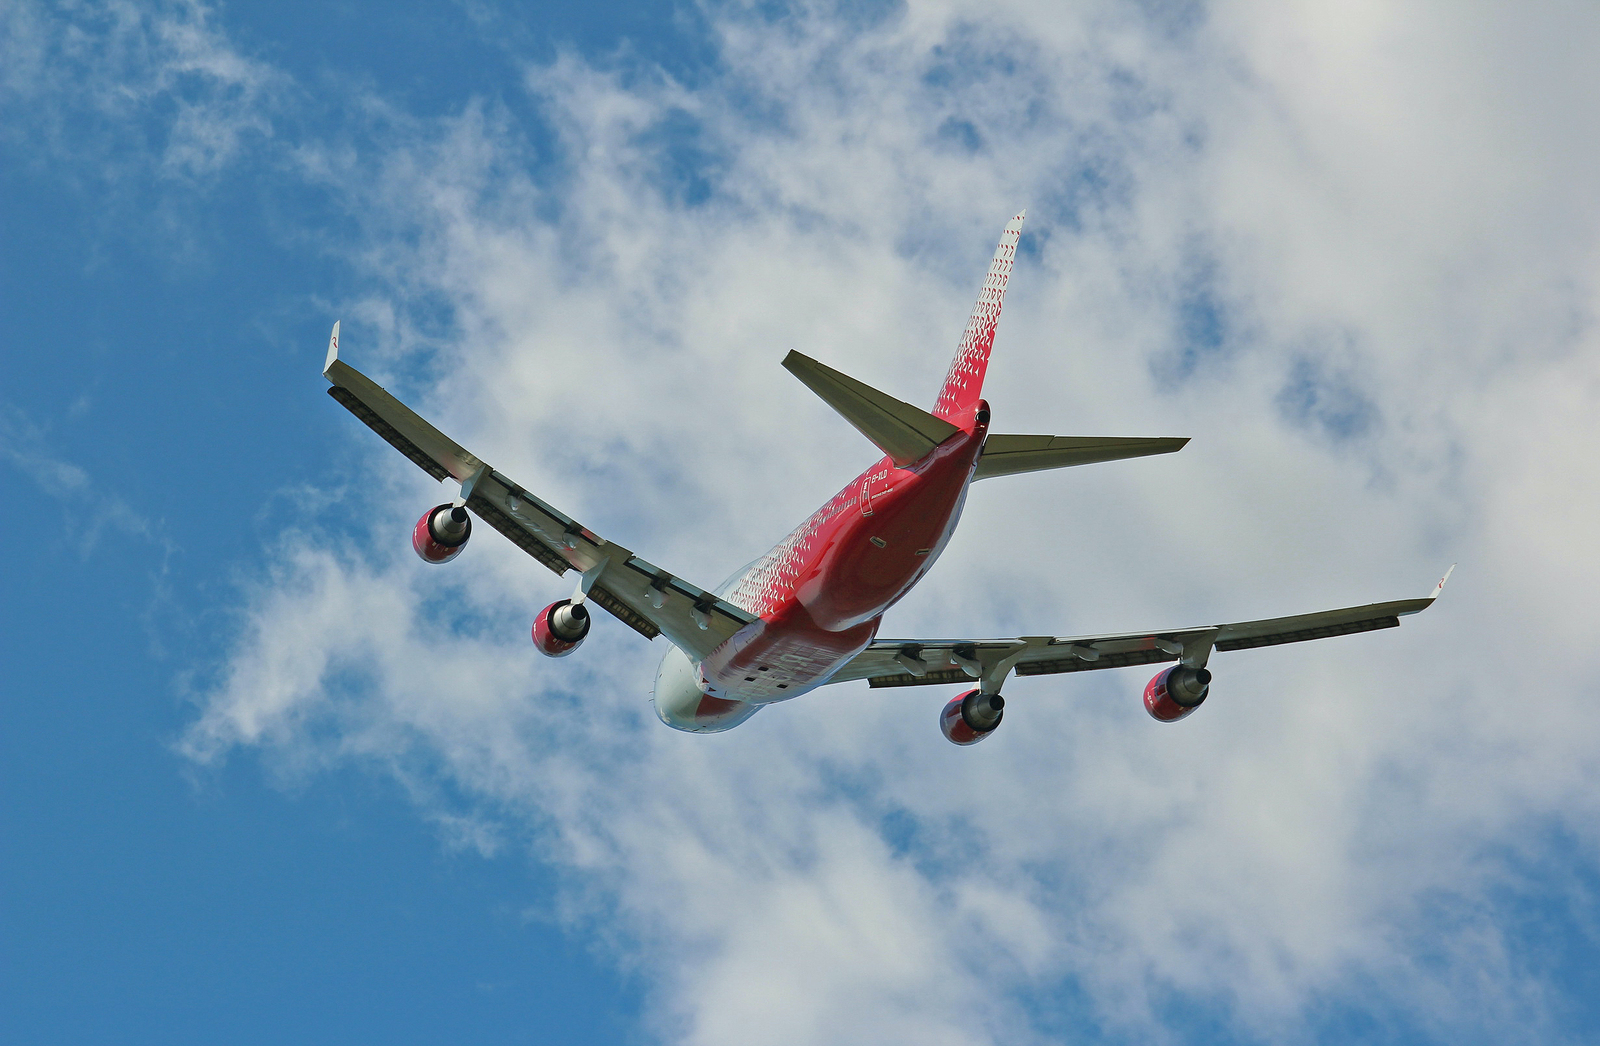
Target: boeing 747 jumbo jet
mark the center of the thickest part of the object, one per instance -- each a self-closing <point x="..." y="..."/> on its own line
<point x="807" y="613"/>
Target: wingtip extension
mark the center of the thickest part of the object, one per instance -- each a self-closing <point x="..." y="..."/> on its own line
<point x="333" y="349"/>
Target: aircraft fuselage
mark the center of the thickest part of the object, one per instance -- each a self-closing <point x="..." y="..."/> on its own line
<point x="820" y="594"/>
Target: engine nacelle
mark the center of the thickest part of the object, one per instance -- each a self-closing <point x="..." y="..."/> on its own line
<point x="1175" y="693"/>
<point x="970" y="718"/>
<point x="560" y="627"/>
<point x="441" y="533"/>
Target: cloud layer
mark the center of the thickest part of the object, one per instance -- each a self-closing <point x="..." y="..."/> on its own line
<point x="1351" y="251"/>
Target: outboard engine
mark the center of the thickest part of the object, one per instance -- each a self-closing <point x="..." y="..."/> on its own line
<point x="441" y="533"/>
<point x="1175" y="693"/>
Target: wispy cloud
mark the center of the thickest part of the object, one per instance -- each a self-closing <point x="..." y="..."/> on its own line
<point x="1324" y="834"/>
<point x="122" y="83"/>
<point x="91" y="506"/>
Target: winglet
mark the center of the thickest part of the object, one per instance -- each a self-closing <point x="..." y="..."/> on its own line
<point x="333" y="350"/>
<point x="1440" y="586"/>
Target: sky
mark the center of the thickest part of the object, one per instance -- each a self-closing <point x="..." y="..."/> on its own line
<point x="270" y="778"/>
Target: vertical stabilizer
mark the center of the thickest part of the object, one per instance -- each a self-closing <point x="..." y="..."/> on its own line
<point x="964" y="384"/>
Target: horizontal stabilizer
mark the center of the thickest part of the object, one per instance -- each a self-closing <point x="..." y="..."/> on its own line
<point x="903" y="432"/>
<point x="1009" y="455"/>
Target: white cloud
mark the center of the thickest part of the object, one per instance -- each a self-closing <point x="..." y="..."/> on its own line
<point x="1389" y="214"/>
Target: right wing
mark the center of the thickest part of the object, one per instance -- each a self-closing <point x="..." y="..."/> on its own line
<point x="643" y="596"/>
<point x="1008" y="455"/>
<point x="918" y="662"/>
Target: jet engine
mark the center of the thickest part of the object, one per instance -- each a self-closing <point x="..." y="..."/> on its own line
<point x="441" y="533"/>
<point x="970" y="718"/>
<point x="1175" y="693"/>
<point x="560" y="627"/>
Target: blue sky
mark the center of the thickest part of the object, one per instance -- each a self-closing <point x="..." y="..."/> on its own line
<point x="270" y="778"/>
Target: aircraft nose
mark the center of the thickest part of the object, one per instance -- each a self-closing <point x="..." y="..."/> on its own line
<point x="681" y="705"/>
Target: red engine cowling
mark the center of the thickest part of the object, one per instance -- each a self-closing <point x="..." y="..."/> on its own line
<point x="1175" y="693"/>
<point x="560" y="627"/>
<point x="441" y="533"/>
<point x="970" y="718"/>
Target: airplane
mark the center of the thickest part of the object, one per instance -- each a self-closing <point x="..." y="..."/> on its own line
<point x="807" y="613"/>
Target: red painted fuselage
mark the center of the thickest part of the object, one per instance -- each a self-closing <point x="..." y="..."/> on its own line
<point x="819" y="595"/>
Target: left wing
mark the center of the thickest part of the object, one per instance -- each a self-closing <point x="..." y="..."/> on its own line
<point x="917" y="662"/>
<point x="643" y="596"/>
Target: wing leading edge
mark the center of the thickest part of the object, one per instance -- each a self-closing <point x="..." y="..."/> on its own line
<point x="641" y="595"/>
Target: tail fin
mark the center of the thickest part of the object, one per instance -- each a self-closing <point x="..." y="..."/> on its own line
<point x="964" y="384"/>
